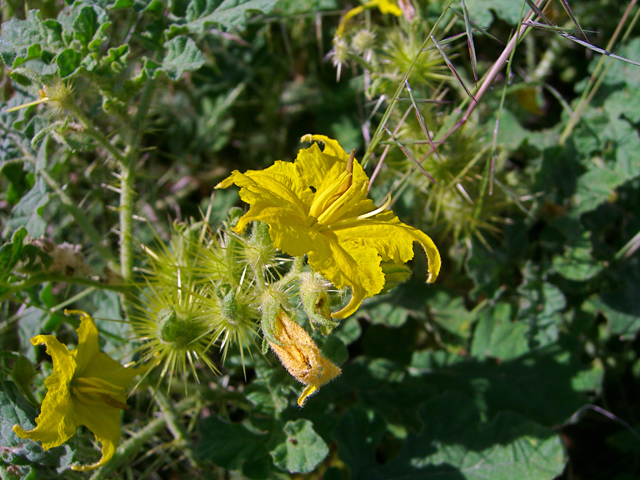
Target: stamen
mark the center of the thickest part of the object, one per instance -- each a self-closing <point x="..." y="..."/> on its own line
<point x="339" y="207"/>
<point x="91" y="385"/>
<point x="348" y="221"/>
<point x="347" y="183"/>
<point x="323" y="199"/>
<point x="327" y="198"/>
<point x="310" y="390"/>
<point x="384" y="206"/>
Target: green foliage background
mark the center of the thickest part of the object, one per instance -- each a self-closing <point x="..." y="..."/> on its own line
<point x="500" y="370"/>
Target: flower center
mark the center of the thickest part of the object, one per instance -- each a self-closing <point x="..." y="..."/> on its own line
<point x="95" y="391"/>
<point x="335" y="200"/>
<point x="330" y="206"/>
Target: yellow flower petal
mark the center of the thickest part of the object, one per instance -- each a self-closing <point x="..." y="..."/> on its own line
<point x="104" y="423"/>
<point x="86" y="388"/>
<point x="385" y="7"/>
<point x="54" y="424"/>
<point x="87" y="341"/>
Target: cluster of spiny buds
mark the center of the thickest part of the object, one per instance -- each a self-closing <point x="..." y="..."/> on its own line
<point x="221" y="289"/>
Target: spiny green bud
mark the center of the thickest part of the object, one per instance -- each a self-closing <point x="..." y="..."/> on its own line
<point x="234" y="215"/>
<point x="260" y="235"/>
<point x="315" y="301"/>
<point x="363" y="40"/>
<point x="185" y="240"/>
<point x="229" y="306"/>
<point x="175" y="330"/>
<point x="222" y="289"/>
<point x="259" y="251"/>
<point x="394" y="275"/>
<point x="273" y="301"/>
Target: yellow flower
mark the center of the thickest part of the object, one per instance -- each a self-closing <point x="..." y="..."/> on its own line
<point x="86" y="388"/>
<point x="300" y="356"/>
<point x="385" y="6"/>
<point x="318" y="206"/>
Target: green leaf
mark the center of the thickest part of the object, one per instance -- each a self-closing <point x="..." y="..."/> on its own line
<point x="107" y="312"/>
<point x="394" y="308"/>
<point x="507" y="10"/>
<point x="540" y="305"/>
<point x="390" y="342"/>
<point x="460" y="447"/>
<point x="577" y="264"/>
<point x="229" y="14"/>
<point x="348" y="331"/>
<point x="451" y="446"/>
<point x="619" y="302"/>
<point x="450" y="313"/>
<point x="296" y="7"/>
<point x="621" y="103"/>
<point x="594" y="188"/>
<point x="269" y="393"/>
<point x="15" y="410"/>
<point x="90" y="25"/>
<point x="28" y="212"/>
<point x="334" y="349"/>
<point x="497" y="336"/>
<point x="20" y="181"/>
<point x="68" y="62"/>
<point x="621" y="72"/>
<point x="182" y="55"/>
<point x="357" y="436"/>
<point x="30" y="39"/>
<point x="302" y="449"/>
<point x="122" y="4"/>
<point x="546" y="385"/>
<point x="11" y="253"/>
<point x="484" y="268"/>
<point x="229" y="445"/>
<point x="511" y="134"/>
<point x="387" y="387"/>
<point x="30" y="325"/>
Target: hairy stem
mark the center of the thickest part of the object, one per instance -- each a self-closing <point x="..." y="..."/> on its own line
<point x="172" y="415"/>
<point x="127" y="194"/>
<point x="57" y="278"/>
<point x="94" y="133"/>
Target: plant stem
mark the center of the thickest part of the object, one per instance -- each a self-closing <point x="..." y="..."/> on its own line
<point x="127" y="195"/>
<point x="171" y="416"/>
<point x="94" y="133"/>
<point x="56" y="278"/>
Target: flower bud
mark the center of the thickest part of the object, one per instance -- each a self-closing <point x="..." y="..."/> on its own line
<point x="315" y="301"/>
<point x="229" y="306"/>
<point x="300" y="356"/>
<point x="363" y="41"/>
<point x="259" y="251"/>
<point x="176" y="331"/>
<point x="273" y="301"/>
